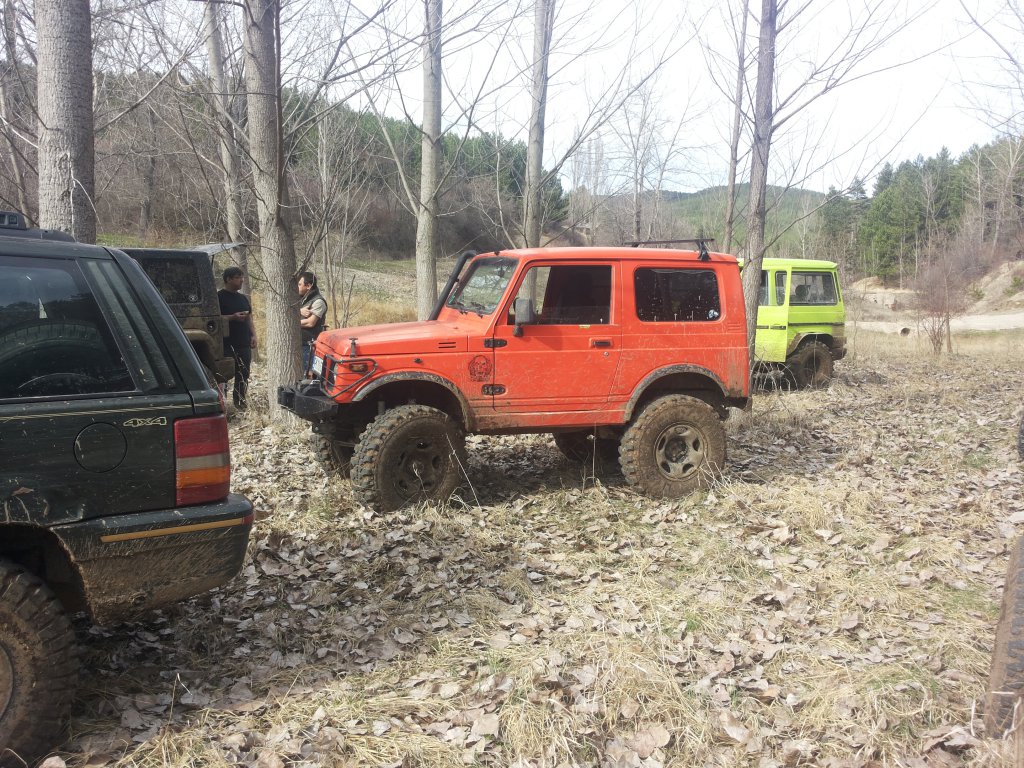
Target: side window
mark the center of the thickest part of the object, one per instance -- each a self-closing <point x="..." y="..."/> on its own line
<point x="54" y="341"/>
<point x="762" y="291"/>
<point x="676" y="295"/>
<point x="810" y="288"/>
<point x="569" y="294"/>
<point x="780" y="288"/>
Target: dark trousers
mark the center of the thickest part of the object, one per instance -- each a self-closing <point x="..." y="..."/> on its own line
<point x="243" y="364"/>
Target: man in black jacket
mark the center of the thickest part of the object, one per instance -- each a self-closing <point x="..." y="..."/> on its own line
<point x="241" y="338"/>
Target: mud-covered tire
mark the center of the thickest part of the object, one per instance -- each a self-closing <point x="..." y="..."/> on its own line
<point x="580" y="446"/>
<point x="811" y="366"/>
<point x="1006" y="676"/>
<point x="38" y="666"/>
<point x="673" y="448"/>
<point x="334" y="457"/>
<point x="408" y="454"/>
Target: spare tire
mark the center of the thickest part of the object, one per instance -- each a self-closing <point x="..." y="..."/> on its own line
<point x="52" y="349"/>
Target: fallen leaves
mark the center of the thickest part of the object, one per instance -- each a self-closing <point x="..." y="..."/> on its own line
<point x="829" y="603"/>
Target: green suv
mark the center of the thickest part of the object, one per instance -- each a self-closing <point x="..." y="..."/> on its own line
<point x="801" y="320"/>
<point x="114" y="468"/>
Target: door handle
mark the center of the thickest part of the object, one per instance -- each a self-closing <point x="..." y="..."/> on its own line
<point x="600" y="342"/>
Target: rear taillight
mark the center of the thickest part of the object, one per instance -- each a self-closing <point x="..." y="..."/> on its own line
<point x="202" y="460"/>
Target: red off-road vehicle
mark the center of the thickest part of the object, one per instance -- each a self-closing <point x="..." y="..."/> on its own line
<point x="639" y="350"/>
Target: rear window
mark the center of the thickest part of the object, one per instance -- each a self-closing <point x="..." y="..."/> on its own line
<point x="177" y="279"/>
<point x="676" y="295"/>
<point x="54" y="341"/>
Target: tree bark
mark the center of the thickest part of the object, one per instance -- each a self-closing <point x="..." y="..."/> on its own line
<point x="7" y="112"/>
<point x="226" y="138"/>
<point x="533" y="215"/>
<point x="734" y="138"/>
<point x="65" y="90"/>
<point x="428" y="240"/>
<point x="763" y="128"/>
<point x="277" y="248"/>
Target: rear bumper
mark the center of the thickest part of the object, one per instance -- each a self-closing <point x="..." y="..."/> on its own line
<point x="308" y="401"/>
<point x="136" y="562"/>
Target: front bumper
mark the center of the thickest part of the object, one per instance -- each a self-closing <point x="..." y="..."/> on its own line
<point x="131" y="563"/>
<point x="308" y="401"/>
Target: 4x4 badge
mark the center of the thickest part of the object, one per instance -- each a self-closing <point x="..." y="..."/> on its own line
<point x="156" y="421"/>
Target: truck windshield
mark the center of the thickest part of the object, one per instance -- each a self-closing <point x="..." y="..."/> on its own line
<point x="483" y="286"/>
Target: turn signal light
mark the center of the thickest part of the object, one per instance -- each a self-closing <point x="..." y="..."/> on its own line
<point x="202" y="460"/>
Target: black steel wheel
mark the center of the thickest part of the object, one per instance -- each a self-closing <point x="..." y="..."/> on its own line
<point x="38" y="666"/>
<point x="408" y="454"/>
<point x="674" y="447"/>
<point x="334" y="457"/>
<point x="1006" y="677"/>
<point x="811" y="366"/>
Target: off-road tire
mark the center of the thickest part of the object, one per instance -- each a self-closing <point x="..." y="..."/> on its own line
<point x="673" y="448"/>
<point x="334" y="457"/>
<point x="811" y="366"/>
<point x="38" y="666"/>
<point x="579" y="446"/>
<point x="408" y="454"/>
<point x="1006" y="678"/>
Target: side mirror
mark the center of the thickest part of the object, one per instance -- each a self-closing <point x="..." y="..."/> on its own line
<point x="525" y="314"/>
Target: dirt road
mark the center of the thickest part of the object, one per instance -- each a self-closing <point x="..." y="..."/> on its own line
<point x="907" y="326"/>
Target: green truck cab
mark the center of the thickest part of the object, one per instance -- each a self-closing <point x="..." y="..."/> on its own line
<point x="801" y="321"/>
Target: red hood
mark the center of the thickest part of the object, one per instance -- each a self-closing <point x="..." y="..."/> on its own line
<point x="403" y="338"/>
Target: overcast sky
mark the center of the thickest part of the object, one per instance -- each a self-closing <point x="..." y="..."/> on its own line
<point x="930" y="80"/>
<point x="936" y="75"/>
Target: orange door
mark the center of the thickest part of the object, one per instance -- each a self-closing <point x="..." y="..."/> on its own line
<point x="565" y="360"/>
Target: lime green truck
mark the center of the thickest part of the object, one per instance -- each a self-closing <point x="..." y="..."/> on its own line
<point x="801" y="320"/>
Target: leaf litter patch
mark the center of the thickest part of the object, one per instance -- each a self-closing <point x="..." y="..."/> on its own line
<point x="831" y="602"/>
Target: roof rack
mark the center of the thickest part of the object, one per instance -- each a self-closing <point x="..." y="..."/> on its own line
<point x="700" y="242"/>
<point x="13" y="224"/>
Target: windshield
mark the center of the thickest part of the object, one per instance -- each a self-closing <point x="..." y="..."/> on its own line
<point x="484" y="285"/>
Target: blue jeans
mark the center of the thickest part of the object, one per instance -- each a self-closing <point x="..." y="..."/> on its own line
<point x="307" y="354"/>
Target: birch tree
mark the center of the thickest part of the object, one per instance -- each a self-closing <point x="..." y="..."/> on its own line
<point x="277" y="247"/>
<point x="65" y="133"/>
<point x="533" y="220"/>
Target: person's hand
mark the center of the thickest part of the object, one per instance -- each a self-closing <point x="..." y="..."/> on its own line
<point x="252" y="342"/>
<point x="304" y="312"/>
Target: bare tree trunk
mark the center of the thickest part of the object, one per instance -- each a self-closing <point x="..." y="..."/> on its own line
<point x="148" y="178"/>
<point x="66" y="149"/>
<point x="277" y="249"/>
<point x="763" y="128"/>
<point x="737" y="115"/>
<point x="428" y="240"/>
<point x="533" y="216"/>
<point x="7" y="115"/>
<point x="228" y="143"/>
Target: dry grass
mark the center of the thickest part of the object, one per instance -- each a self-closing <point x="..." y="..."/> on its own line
<point x="830" y="602"/>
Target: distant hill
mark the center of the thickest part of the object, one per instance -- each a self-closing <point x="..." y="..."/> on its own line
<point x="703" y="213"/>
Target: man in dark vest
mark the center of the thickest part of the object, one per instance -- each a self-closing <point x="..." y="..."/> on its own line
<point x="312" y="311"/>
<point x="241" y="339"/>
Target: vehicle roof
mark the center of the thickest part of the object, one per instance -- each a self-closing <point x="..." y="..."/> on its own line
<point x="20" y="246"/>
<point x="614" y="253"/>
<point x="797" y="263"/>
